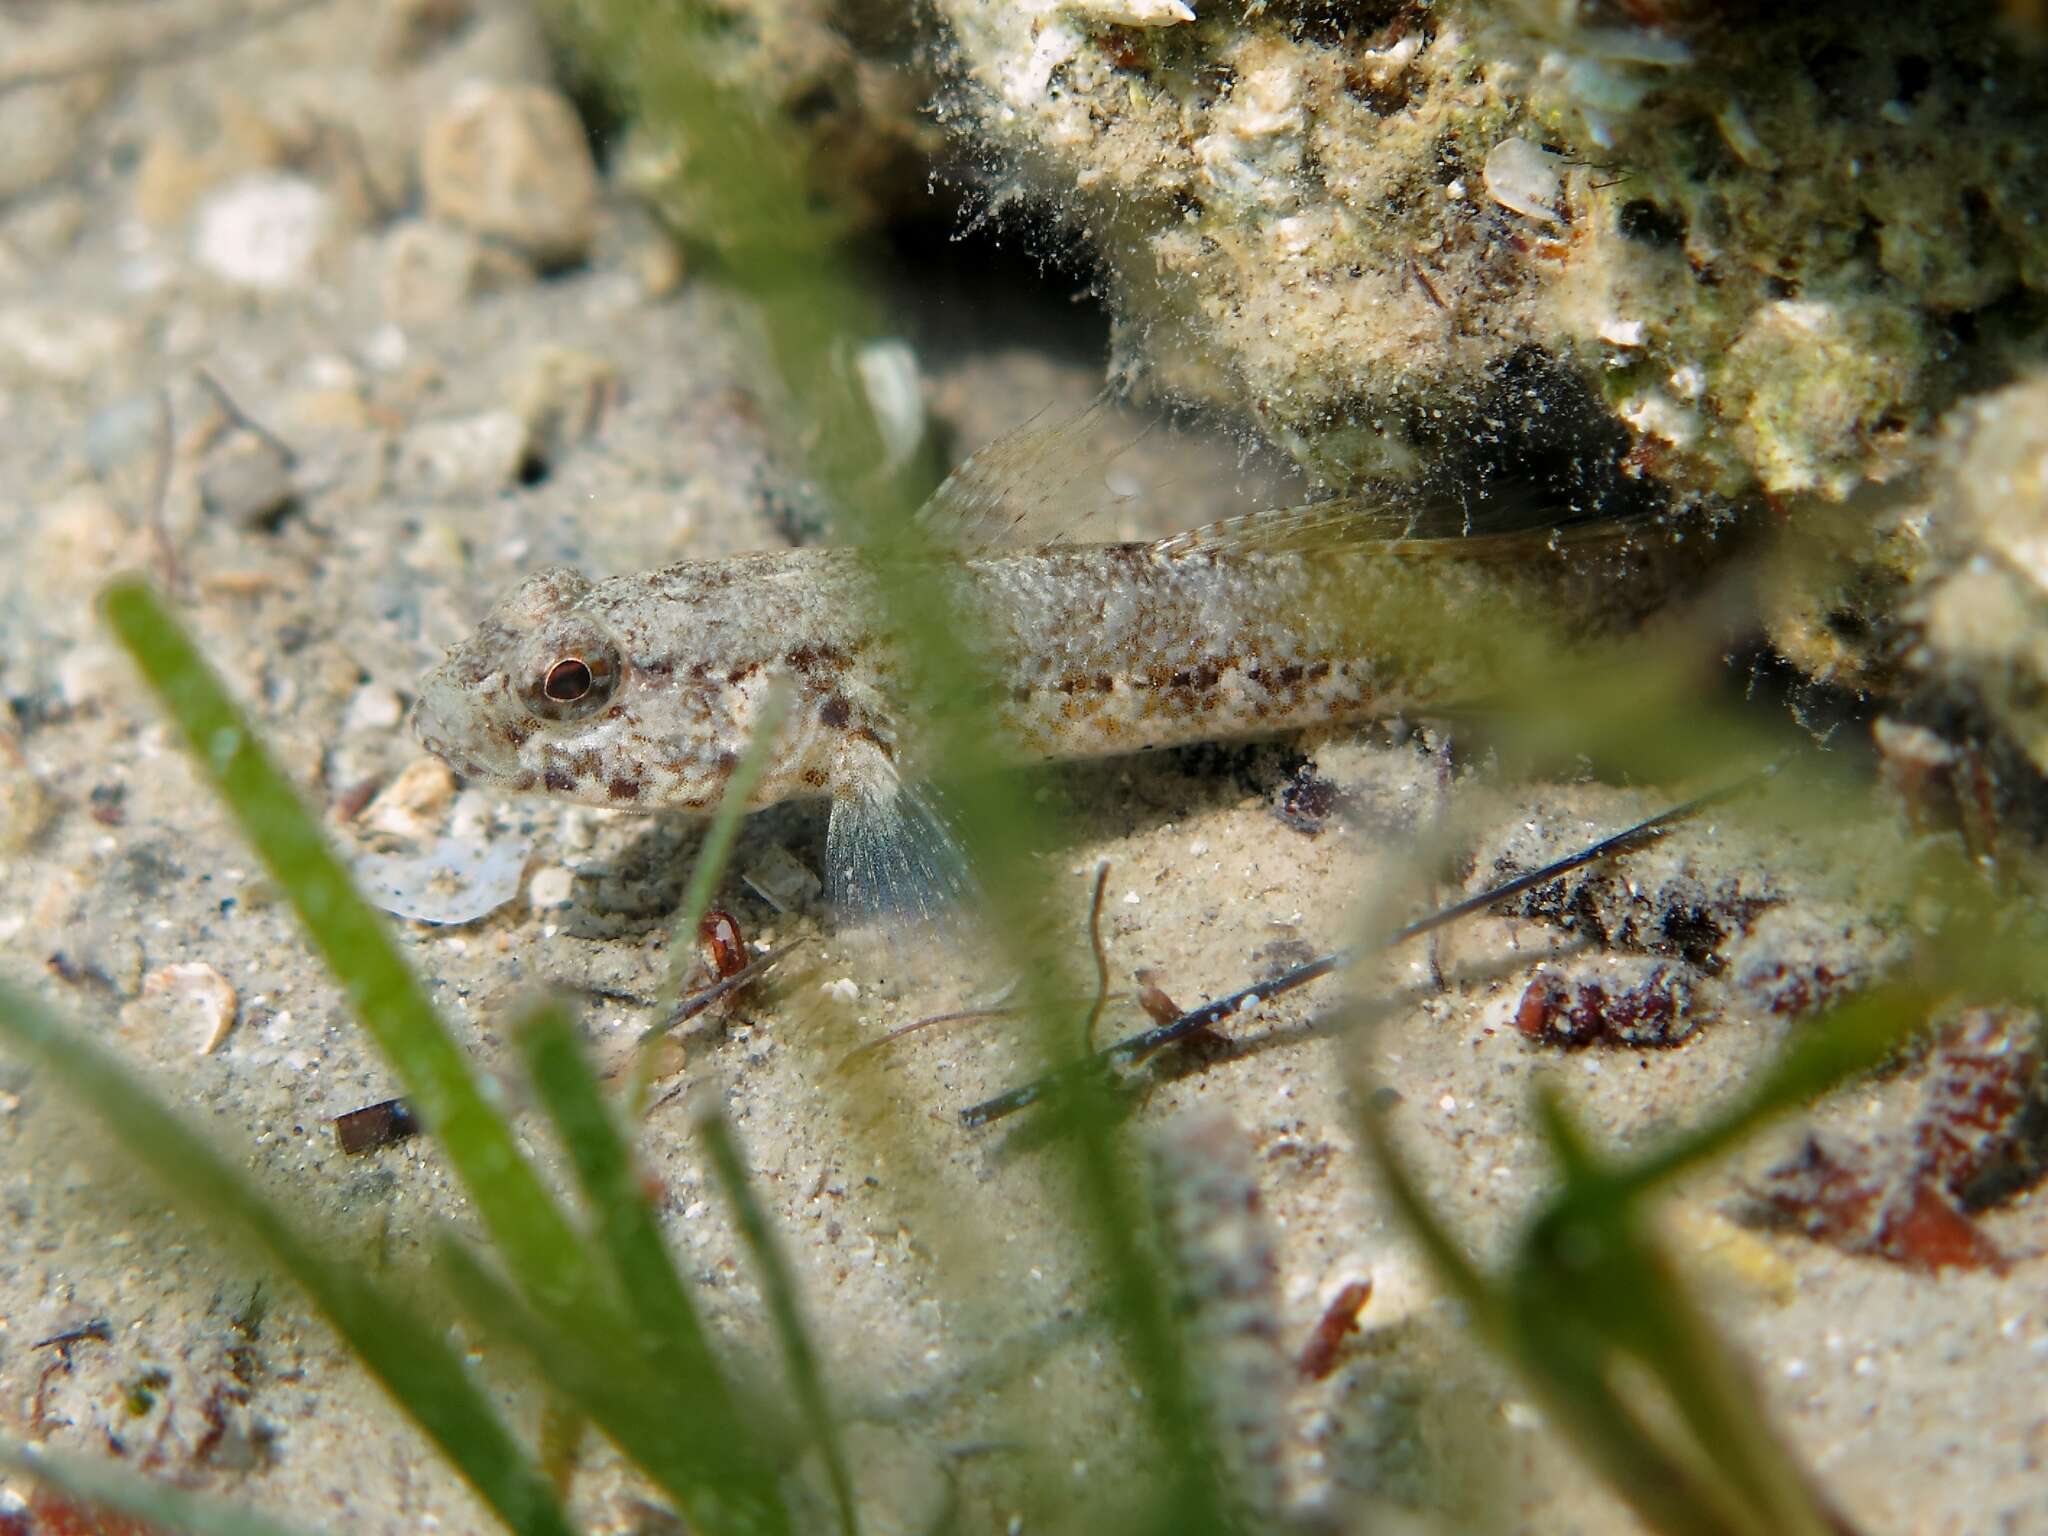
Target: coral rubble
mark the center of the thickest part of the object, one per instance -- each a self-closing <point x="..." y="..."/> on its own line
<point x="1764" y="240"/>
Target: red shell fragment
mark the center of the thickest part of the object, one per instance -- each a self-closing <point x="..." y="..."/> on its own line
<point x="1912" y="1199"/>
<point x="724" y="948"/>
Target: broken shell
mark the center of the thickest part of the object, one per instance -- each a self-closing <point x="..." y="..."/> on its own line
<point x="1526" y="179"/>
<point x="197" y="988"/>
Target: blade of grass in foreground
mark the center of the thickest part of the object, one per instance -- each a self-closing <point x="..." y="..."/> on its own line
<point x="702" y="1421"/>
<point x="780" y="1292"/>
<point x="617" y="1392"/>
<point x="1589" y="1291"/>
<point x="410" y="1356"/>
<point x="535" y="1237"/>
<point x="101" y="1486"/>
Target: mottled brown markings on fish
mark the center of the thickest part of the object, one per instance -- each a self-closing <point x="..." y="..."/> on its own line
<point x="587" y="764"/>
<point x="523" y="780"/>
<point x="559" y="780"/>
<point x="836" y="712"/>
<point x="624" y="789"/>
<point x="516" y="733"/>
<point x="742" y="672"/>
<point x="815" y="777"/>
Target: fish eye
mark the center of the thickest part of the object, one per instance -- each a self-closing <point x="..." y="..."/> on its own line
<point x="568" y="680"/>
<point x="572" y="676"/>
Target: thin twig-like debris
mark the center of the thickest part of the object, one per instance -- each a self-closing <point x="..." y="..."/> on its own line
<point x="1135" y="1048"/>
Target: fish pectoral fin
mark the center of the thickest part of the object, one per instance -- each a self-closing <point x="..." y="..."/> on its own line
<point x="889" y="852"/>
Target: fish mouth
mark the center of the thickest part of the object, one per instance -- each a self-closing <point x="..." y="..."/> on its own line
<point x="428" y="729"/>
<point x="432" y="733"/>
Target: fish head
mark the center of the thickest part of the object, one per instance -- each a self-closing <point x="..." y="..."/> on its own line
<point x="537" y="697"/>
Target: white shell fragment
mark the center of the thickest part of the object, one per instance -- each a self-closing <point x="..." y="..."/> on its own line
<point x="889" y="376"/>
<point x="454" y="880"/>
<point x="1526" y="179"/>
<point x="196" y="990"/>
<point x="1134" y="13"/>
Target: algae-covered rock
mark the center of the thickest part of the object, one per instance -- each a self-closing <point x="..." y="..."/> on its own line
<point x="1761" y="236"/>
<point x="1982" y="610"/>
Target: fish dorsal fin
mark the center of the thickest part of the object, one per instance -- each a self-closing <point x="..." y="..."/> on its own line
<point x="1042" y="477"/>
<point x="1436" y="529"/>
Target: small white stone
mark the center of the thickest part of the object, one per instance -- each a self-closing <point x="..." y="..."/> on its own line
<point x="1622" y="333"/>
<point x="262" y="230"/>
<point x="374" y="708"/>
<point x="844" y="990"/>
<point x="551" y="886"/>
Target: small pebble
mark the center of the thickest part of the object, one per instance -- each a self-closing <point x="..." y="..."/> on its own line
<point x="247" y="480"/>
<point x="438" y="549"/>
<point x="262" y="231"/>
<point x="119" y="434"/>
<point x="470" y="455"/>
<point x="551" y="886"/>
<point x="431" y="270"/>
<point x="779" y="878"/>
<point x="374" y="708"/>
<point x="413" y="804"/>
<point x="561" y="394"/>
<point x="60" y="344"/>
<point x="40" y="129"/>
<point x="511" y="162"/>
